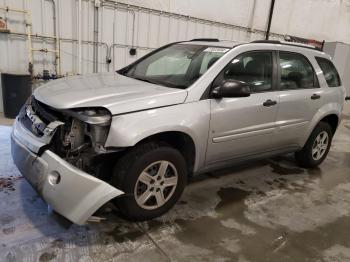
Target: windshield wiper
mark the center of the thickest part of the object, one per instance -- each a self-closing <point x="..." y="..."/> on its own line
<point x="166" y="84"/>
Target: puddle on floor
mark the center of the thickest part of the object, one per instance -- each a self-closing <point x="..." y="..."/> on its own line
<point x="285" y="170"/>
<point x="230" y="197"/>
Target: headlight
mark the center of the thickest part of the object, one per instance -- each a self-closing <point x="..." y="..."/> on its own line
<point x="92" y="116"/>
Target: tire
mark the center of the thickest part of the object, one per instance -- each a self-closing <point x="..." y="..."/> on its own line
<point x="129" y="170"/>
<point x="307" y="157"/>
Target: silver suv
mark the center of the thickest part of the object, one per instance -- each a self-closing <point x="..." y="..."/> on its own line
<point x="137" y="135"/>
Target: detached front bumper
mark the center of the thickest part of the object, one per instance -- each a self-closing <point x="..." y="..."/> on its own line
<point x="71" y="192"/>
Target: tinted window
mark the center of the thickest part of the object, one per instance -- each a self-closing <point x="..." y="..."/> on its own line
<point x="253" y="68"/>
<point x="296" y="72"/>
<point x="329" y="72"/>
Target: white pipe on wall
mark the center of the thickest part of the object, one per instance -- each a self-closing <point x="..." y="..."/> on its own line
<point x="79" y="38"/>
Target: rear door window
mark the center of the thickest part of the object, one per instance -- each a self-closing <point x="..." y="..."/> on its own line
<point x="296" y="72"/>
<point x="329" y="72"/>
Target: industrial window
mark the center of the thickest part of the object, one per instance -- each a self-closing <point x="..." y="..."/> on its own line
<point x="253" y="68"/>
<point x="329" y="72"/>
<point x="296" y="72"/>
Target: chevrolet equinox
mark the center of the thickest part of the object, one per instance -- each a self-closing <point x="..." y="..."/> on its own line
<point x="135" y="136"/>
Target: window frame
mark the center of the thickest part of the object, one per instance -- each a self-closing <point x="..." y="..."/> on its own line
<point x="274" y="86"/>
<point x="317" y="58"/>
<point x="279" y="73"/>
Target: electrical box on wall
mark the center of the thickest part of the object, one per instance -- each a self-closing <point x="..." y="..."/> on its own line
<point x="3" y="26"/>
<point x="340" y="54"/>
<point x="2" y="23"/>
<point x="132" y="51"/>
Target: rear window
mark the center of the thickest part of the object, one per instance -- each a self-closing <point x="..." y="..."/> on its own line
<point x="329" y="72"/>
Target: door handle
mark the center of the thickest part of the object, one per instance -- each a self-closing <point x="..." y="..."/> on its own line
<point x="315" y="96"/>
<point x="269" y="102"/>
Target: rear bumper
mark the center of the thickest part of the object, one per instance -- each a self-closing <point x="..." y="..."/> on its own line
<point x="71" y="192"/>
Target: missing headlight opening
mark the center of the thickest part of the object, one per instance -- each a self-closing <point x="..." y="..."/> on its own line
<point x="81" y="141"/>
<point x="80" y="137"/>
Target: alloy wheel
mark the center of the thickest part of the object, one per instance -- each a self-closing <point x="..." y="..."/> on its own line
<point x="320" y="145"/>
<point x="156" y="185"/>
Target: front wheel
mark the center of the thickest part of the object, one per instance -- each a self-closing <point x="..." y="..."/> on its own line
<point x="316" y="147"/>
<point x="153" y="177"/>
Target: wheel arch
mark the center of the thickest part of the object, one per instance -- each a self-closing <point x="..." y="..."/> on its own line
<point x="179" y="140"/>
<point x="332" y="120"/>
<point x="329" y="113"/>
<point x="189" y="121"/>
<point x="329" y="118"/>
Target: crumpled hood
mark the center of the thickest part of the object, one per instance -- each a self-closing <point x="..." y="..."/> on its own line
<point x="118" y="93"/>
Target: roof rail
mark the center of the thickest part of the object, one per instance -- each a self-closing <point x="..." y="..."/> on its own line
<point x="267" y="42"/>
<point x="287" y="43"/>
<point x="205" y="40"/>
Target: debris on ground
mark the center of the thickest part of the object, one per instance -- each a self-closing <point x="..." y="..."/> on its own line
<point x="6" y="183"/>
<point x="95" y="219"/>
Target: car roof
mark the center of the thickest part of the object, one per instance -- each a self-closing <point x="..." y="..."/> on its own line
<point x="289" y="46"/>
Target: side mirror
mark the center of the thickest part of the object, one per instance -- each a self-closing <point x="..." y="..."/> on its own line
<point x="231" y="88"/>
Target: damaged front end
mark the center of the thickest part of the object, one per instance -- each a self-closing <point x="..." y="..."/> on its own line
<point x="59" y="152"/>
<point x="80" y="141"/>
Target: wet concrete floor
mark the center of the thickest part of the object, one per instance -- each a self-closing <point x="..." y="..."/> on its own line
<point x="269" y="210"/>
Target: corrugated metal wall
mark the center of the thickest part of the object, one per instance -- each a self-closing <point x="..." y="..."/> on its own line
<point x="120" y="27"/>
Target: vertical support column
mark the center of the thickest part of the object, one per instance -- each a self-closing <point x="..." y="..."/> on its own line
<point x="270" y="19"/>
<point x="95" y="46"/>
<point x="79" y="37"/>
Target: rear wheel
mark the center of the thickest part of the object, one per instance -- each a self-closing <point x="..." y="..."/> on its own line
<point x="153" y="177"/>
<point x="316" y="147"/>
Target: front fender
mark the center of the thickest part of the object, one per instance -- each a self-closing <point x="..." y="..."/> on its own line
<point x="190" y="118"/>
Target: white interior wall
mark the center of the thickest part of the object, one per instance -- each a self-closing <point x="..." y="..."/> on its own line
<point x="319" y="19"/>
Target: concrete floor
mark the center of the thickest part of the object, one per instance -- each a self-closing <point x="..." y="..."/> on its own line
<point x="5" y="121"/>
<point x="268" y="210"/>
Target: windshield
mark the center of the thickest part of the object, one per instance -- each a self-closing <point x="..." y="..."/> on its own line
<point x="178" y="65"/>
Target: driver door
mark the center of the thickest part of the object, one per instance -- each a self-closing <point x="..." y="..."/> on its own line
<point x="245" y="125"/>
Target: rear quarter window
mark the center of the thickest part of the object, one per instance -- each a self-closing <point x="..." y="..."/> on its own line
<point x="329" y="71"/>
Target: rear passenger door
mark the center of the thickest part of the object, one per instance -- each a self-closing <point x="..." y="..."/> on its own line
<point x="299" y="98"/>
